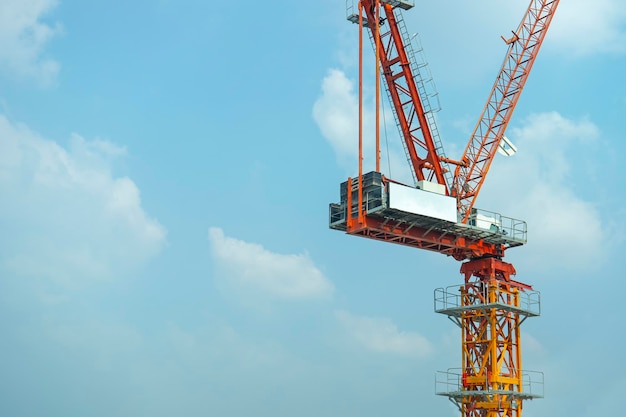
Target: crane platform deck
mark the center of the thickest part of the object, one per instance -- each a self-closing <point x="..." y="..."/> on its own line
<point x="450" y="384"/>
<point x="403" y="209"/>
<point x="409" y="220"/>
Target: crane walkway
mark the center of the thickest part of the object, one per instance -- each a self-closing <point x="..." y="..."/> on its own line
<point x="402" y="208"/>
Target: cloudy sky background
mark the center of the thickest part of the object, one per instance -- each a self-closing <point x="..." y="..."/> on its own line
<point x="165" y="170"/>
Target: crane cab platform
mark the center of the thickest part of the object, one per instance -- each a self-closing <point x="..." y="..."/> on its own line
<point x="416" y="217"/>
<point x="403" y="4"/>
<point x="353" y="15"/>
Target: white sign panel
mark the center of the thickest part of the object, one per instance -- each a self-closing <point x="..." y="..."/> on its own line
<point x="422" y="202"/>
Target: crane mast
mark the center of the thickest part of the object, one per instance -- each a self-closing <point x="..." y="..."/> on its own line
<point x="438" y="214"/>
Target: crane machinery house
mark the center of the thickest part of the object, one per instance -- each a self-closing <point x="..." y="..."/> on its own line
<point x="389" y="198"/>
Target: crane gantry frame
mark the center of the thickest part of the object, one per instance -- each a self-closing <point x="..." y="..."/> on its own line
<point x="439" y="214"/>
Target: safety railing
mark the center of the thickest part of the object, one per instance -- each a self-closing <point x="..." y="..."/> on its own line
<point x="452" y="383"/>
<point x="497" y="223"/>
<point x="457" y="297"/>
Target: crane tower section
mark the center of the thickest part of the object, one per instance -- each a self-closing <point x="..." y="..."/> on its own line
<point x="438" y="212"/>
<point x="489" y="308"/>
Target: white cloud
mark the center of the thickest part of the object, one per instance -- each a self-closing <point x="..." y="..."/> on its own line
<point x="66" y="217"/>
<point x="382" y="335"/>
<point x="23" y="37"/>
<point x="536" y="185"/>
<point x="579" y="27"/>
<point x="584" y="27"/>
<point x="281" y="275"/>
<point x="336" y="115"/>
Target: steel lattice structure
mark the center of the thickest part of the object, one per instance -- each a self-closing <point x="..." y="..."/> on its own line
<point x="481" y="148"/>
<point x="490" y="306"/>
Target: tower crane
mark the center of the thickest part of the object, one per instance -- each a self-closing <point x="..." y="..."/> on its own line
<point x="437" y="213"/>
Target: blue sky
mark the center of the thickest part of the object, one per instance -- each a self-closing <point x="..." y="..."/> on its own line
<point x="165" y="171"/>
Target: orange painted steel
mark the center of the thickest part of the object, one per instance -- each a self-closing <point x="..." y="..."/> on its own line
<point x="458" y="247"/>
<point x="480" y="151"/>
<point x="376" y="53"/>
<point x="360" y="214"/>
<point x="404" y="94"/>
<point x="476" y="160"/>
<point x="471" y="171"/>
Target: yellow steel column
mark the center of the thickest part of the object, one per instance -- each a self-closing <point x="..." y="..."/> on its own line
<point x="491" y="340"/>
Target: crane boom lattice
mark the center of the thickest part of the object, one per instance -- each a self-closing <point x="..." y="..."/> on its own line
<point x="480" y="151"/>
